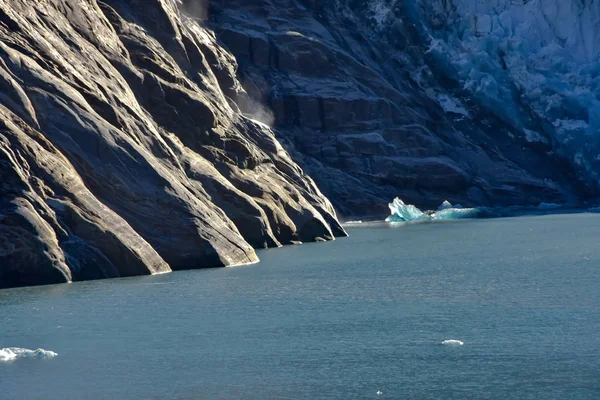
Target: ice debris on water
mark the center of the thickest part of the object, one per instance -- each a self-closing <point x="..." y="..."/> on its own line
<point x="452" y="342"/>
<point x="402" y="212"/>
<point x="353" y="222"/>
<point x="14" y="353"/>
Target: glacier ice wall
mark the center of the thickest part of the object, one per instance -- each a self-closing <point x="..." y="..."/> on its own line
<point x="532" y="63"/>
<point x="538" y="24"/>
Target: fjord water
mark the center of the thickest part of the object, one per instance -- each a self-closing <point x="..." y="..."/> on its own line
<point x="341" y="320"/>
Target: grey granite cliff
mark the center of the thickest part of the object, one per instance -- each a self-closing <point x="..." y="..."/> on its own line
<point x="120" y="154"/>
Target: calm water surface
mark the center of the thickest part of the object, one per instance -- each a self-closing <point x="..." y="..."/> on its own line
<point x="339" y="320"/>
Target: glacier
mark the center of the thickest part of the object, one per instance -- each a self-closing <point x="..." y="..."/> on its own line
<point x="534" y="64"/>
<point x="402" y="212"/>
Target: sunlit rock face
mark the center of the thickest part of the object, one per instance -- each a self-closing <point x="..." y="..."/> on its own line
<point x="464" y="100"/>
<point x="121" y="153"/>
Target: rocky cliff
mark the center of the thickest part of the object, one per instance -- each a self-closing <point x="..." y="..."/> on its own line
<point x="378" y="98"/>
<point x="143" y="136"/>
<point x="121" y="155"/>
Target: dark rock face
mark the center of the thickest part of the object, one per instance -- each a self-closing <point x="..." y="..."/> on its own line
<point x="367" y="113"/>
<point x="121" y="155"/>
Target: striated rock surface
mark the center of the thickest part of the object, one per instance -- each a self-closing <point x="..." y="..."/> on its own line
<point x="121" y="154"/>
<point x="361" y="100"/>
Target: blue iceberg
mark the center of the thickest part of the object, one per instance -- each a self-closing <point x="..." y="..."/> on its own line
<point x="402" y="212"/>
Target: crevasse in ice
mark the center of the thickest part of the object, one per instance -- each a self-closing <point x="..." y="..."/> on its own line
<point x="402" y="212"/>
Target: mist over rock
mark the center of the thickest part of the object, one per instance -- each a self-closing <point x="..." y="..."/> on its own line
<point x="121" y="153"/>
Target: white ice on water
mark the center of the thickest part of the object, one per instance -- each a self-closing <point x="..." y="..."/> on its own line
<point x="15" y="353"/>
<point x="402" y="212"/>
<point x="358" y="222"/>
<point x="452" y="342"/>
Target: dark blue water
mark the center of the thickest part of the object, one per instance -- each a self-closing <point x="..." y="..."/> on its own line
<point x="339" y="320"/>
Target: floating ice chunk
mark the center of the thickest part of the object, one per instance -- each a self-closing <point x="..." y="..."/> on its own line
<point x="352" y="222"/>
<point x="456" y="213"/>
<point x="402" y="212"/>
<point x="7" y="355"/>
<point x="452" y="342"/>
<point x="14" y="353"/>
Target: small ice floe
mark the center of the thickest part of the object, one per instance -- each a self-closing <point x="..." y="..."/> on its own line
<point x="14" y="353"/>
<point x="352" y="223"/>
<point x="452" y="342"/>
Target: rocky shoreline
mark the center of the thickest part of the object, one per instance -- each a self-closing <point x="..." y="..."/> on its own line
<point x="120" y="154"/>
